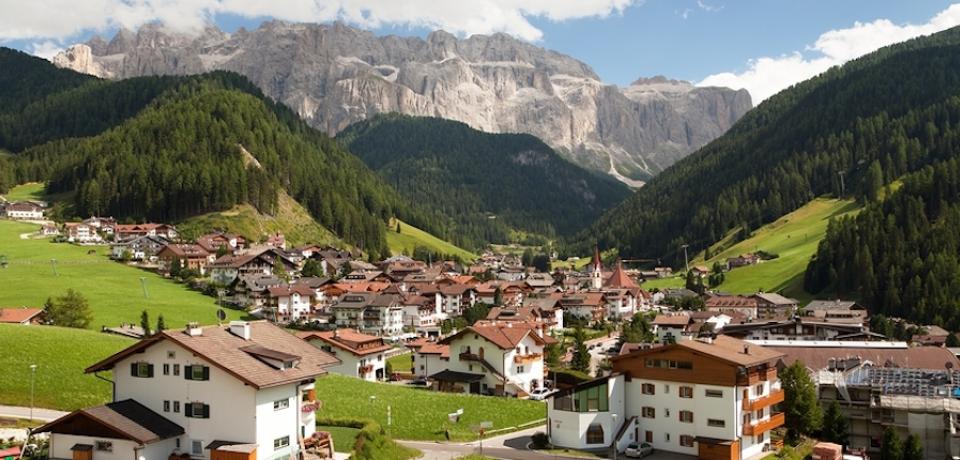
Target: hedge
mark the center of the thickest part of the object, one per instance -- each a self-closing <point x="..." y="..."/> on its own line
<point x="371" y="442"/>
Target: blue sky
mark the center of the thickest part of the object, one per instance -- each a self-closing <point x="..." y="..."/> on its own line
<point x="761" y="45"/>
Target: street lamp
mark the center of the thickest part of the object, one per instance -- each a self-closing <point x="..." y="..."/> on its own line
<point x="614" y="431"/>
<point x="686" y="261"/>
<point x="33" y="378"/>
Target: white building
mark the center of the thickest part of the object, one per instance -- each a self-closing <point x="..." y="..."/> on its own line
<point x="78" y="232"/>
<point x="711" y="399"/>
<point x="23" y="210"/>
<point x="222" y="393"/>
<point x="291" y="302"/>
<point x="494" y="358"/>
<point x="360" y="355"/>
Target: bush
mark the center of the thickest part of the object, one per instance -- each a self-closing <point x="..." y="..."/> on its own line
<point x="371" y="442"/>
<point x="540" y="440"/>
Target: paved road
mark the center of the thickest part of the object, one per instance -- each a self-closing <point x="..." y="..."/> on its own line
<point x="45" y="415"/>
<point x="510" y="446"/>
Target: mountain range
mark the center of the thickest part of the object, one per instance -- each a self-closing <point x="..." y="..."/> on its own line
<point x="335" y="75"/>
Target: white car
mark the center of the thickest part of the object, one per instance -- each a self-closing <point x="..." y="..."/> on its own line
<point x="540" y="394"/>
<point x="635" y="450"/>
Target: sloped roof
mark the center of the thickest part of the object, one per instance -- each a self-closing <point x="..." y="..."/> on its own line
<point x="818" y="358"/>
<point x="349" y="340"/>
<point x="128" y="417"/>
<point x="18" y="315"/>
<point x="222" y="349"/>
<point x="505" y="336"/>
<point x="619" y="279"/>
<point x="722" y="347"/>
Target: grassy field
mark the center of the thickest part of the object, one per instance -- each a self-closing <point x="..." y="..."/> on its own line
<point x="794" y="237"/>
<point x="113" y="290"/>
<point x="28" y="191"/>
<point x="61" y="355"/>
<point x="420" y="414"/>
<point x="343" y="437"/>
<point x="411" y="237"/>
<point x="400" y="363"/>
<point x="664" y="283"/>
<point x="296" y="224"/>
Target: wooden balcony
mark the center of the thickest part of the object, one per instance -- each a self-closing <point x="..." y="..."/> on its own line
<point x="521" y="359"/>
<point x="756" y="376"/>
<point x="763" y="426"/>
<point x="774" y="397"/>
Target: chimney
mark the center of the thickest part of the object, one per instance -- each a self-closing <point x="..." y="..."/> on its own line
<point x="746" y="349"/>
<point x="240" y="329"/>
<point x="336" y="333"/>
<point x="193" y="329"/>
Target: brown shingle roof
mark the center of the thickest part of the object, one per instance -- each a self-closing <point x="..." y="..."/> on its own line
<point x="723" y="348"/>
<point x="18" y="315"/>
<point x="349" y="340"/>
<point x="671" y="320"/>
<point x="127" y="417"/>
<point x="817" y="358"/>
<point x="222" y="349"/>
<point x="505" y="336"/>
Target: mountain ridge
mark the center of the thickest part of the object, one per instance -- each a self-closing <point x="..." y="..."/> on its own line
<point x="335" y="75"/>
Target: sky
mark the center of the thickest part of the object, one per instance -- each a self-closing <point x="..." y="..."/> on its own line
<point x="760" y="45"/>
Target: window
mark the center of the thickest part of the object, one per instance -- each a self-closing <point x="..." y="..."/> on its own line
<point x="666" y="412"/>
<point x="666" y="437"/>
<point x="196" y="447"/>
<point x="196" y="372"/>
<point x="196" y="410"/>
<point x="595" y="434"/>
<point x="666" y="389"/>
<point x="593" y="399"/>
<point x="176" y="406"/>
<point x="280" y="443"/>
<point x="717" y="423"/>
<point x="166" y="405"/>
<point x="686" y="440"/>
<point x="686" y="392"/>
<point x="171" y="354"/>
<point x="141" y="370"/>
<point x="686" y="416"/>
<point x="281" y="404"/>
<point x="648" y="436"/>
<point x="166" y="369"/>
<point x="758" y="390"/>
<point x="176" y="369"/>
<point x="103" y="446"/>
<point x="713" y="393"/>
<point x="649" y="412"/>
<point x="519" y="369"/>
<point x="648" y="389"/>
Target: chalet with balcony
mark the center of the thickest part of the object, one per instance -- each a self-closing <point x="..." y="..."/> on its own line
<point x="360" y="355"/>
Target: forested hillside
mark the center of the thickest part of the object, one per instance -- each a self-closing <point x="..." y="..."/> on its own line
<point x="167" y="148"/>
<point x="483" y="185"/>
<point x="900" y="256"/>
<point x="842" y="133"/>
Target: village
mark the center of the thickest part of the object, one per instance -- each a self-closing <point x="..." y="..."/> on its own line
<point x="619" y="368"/>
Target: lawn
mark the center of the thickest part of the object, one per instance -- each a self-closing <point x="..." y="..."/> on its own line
<point x="401" y="363"/>
<point x="665" y="283"/>
<point x="794" y="237"/>
<point x="411" y="237"/>
<point x="420" y="414"/>
<point x="113" y="290"/>
<point x="28" y="191"/>
<point x="61" y="355"/>
<point x="343" y="437"/>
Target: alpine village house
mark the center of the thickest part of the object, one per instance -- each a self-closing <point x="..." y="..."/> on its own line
<point x="238" y="392"/>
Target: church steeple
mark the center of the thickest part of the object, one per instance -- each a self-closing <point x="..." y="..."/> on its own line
<point x="596" y="273"/>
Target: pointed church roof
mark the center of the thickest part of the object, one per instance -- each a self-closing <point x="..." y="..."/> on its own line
<point x="619" y="279"/>
<point x="596" y="258"/>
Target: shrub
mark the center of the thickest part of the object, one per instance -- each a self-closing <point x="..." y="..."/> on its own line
<point x="540" y="440"/>
<point x="371" y="442"/>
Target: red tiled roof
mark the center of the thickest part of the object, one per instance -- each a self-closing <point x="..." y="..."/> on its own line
<point x="672" y="320"/>
<point x="817" y="358"/>
<point x="349" y="340"/>
<point x="18" y="315"/>
<point x="619" y="279"/>
<point x="505" y="336"/>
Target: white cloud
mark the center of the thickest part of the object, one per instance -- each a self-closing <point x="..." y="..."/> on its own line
<point x="711" y="8"/>
<point x="766" y="76"/>
<point x="46" y="50"/>
<point x="62" y="19"/>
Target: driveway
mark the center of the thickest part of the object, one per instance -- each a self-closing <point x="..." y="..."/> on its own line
<point x="44" y="415"/>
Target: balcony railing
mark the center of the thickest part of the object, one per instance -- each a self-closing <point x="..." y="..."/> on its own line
<point x="520" y="359"/>
<point x="774" y="397"/>
<point x="763" y="426"/>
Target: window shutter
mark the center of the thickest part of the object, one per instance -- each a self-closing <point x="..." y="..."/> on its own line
<point x="133" y="369"/>
<point x="188" y="372"/>
<point x="149" y="370"/>
<point x="206" y="373"/>
<point x="188" y="409"/>
<point x="206" y="411"/>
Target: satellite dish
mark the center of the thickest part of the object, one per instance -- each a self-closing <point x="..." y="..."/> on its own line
<point x="221" y="315"/>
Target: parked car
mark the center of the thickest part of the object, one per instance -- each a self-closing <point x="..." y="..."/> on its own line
<point x="394" y="377"/>
<point x="540" y="394"/>
<point x="635" y="450"/>
<point x="614" y="350"/>
<point x="419" y="381"/>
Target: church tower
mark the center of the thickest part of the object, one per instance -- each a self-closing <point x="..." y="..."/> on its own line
<point x="596" y="270"/>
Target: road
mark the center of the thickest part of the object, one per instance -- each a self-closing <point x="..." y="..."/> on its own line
<point x="44" y="415"/>
<point x="511" y="446"/>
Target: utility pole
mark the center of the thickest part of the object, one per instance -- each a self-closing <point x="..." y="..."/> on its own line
<point x="842" y="188"/>
<point x="686" y="261"/>
<point x="33" y="378"/>
<point x="143" y="285"/>
<point x="53" y="263"/>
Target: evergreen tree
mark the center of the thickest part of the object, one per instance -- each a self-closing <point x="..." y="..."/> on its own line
<point x="913" y="449"/>
<point x="312" y="267"/>
<point x="145" y="323"/>
<point x="553" y="354"/>
<point x="800" y="406"/>
<point x="892" y="448"/>
<point x="69" y="310"/>
<point x="581" y="355"/>
<point x="161" y="324"/>
<point x="498" y="297"/>
<point x="835" y="428"/>
<point x="873" y="182"/>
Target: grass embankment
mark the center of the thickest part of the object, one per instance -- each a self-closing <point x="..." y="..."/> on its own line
<point x="401" y="363"/>
<point x="113" y="290"/>
<point x="61" y="355"/>
<point x="794" y="237"/>
<point x="420" y="414"/>
<point x="370" y="442"/>
<point x="291" y="219"/>
<point x="28" y="191"/>
<point x="344" y="437"/>
<point x="411" y="237"/>
<point x="665" y="283"/>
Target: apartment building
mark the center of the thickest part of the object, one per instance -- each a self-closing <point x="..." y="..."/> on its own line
<point x="712" y="398"/>
<point x="360" y="355"/>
